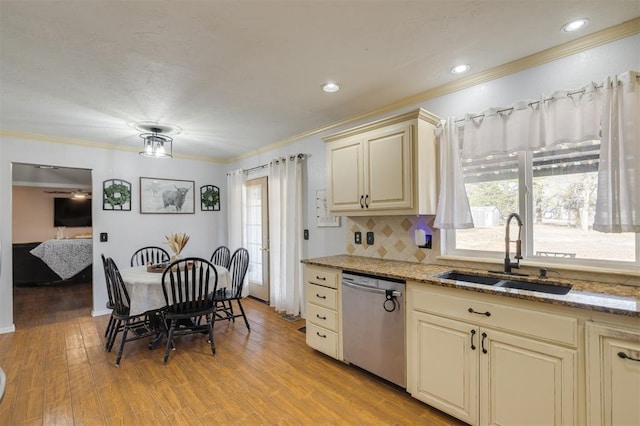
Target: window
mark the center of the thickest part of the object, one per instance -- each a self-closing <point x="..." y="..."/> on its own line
<point x="554" y="191"/>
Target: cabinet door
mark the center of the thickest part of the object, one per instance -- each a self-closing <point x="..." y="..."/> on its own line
<point x="613" y="376"/>
<point x="346" y="186"/>
<point x="525" y="382"/>
<point x="442" y="364"/>
<point x="389" y="169"/>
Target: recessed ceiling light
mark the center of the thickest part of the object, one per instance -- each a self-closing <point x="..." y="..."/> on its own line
<point x="460" y="69"/>
<point x="330" y="87"/>
<point x="575" y="25"/>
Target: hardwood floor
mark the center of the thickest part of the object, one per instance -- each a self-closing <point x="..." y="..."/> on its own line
<point x="59" y="374"/>
<point x="46" y="304"/>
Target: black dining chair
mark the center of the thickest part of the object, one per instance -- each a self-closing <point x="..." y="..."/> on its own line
<point x="221" y="256"/>
<point x="186" y="284"/>
<point x="110" y="304"/>
<point x="149" y="254"/>
<point x="124" y="321"/>
<point x="238" y="266"/>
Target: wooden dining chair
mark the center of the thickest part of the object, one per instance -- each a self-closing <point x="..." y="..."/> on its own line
<point x="149" y="254"/>
<point x="224" y="297"/>
<point x="138" y="324"/>
<point x="221" y="256"/>
<point x="186" y="284"/>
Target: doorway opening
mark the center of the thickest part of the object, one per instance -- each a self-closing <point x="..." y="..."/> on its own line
<point x="52" y="244"/>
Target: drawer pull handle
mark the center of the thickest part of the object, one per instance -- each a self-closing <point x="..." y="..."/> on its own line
<point x="321" y="278"/>
<point x="322" y="318"/>
<point x="320" y="297"/>
<point x="324" y="336"/>
<point x="473" y="334"/>
<point x="625" y="356"/>
<point x="487" y="313"/>
<point x="484" y="336"/>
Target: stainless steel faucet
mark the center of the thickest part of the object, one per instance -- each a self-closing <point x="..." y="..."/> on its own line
<point x="507" y="262"/>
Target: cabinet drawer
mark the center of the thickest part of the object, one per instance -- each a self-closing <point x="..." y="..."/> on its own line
<point x="323" y="317"/>
<point x="542" y="325"/>
<point x="322" y="296"/>
<point x="322" y="339"/>
<point x="321" y="276"/>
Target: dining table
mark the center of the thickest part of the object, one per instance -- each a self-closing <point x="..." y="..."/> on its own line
<point x="145" y="288"/>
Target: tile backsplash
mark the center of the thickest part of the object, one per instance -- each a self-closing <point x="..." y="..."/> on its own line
<point x="393" y="238"/>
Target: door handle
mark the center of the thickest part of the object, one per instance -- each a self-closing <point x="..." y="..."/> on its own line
<point x="473" y="334"/>
<point x="395" y="293"/>
<point x="366" y="201"/>
<point x="484" y="336"/>
<point x="361" y="199"/>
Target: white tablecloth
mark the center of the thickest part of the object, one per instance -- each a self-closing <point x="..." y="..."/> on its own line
<point x="145" y="288"/>
<point x="66" y="257"/>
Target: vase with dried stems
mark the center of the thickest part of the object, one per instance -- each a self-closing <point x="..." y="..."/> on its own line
<point x="176" y="243"/>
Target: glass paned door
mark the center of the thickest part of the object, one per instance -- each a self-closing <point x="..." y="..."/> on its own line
<point x="258" y="238"/>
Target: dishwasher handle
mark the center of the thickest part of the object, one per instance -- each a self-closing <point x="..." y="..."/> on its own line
<point x="376" y="290"/>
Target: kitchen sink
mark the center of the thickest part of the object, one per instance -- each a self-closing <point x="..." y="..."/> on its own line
<point x="541" y="287"/>
<point x="549" y="288"/>
<point x="469" y="278"/>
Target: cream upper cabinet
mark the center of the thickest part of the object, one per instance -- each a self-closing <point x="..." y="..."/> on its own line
<point x="613" y="375"/>
<point x="386" y="167"/>
<point x="490" y="363"/>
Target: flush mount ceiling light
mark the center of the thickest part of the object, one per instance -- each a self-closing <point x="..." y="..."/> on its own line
<point x="575" y="25"/>
<point x="155" y="141"/>
<point x="460" y="69"/>
<point x="80" y="194"/>
<point x="330" y="87"/>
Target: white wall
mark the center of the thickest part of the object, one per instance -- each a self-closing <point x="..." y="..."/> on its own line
<point x="127" y="230"/>
<point x="571" y="72"/>
<point x="130" y="230"/>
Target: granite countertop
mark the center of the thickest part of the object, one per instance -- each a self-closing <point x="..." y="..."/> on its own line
<point x="616" y="299"/>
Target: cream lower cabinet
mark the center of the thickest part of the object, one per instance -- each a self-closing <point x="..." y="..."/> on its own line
<point x="613" y="375"/>
<point x="323" y="301"/>
<point x="464" y="362"/>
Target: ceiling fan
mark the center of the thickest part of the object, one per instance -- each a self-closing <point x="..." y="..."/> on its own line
<point x="76" y="194"/>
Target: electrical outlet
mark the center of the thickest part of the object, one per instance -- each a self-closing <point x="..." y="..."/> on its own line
<point x="357" y="237"/>
<point x="427" y="243"/>
<point x="104" y="237"/>
<point x="370" y="238"/>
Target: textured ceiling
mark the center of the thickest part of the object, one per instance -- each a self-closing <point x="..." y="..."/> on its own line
<point x="237" y="76"/>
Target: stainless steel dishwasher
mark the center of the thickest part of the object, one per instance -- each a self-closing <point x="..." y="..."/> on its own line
<point x="373" y="325"/>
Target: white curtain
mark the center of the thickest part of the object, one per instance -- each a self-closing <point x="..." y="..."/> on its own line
<point x="572" y="116"/>
<point x="236" y="212"/>
<point x="453" y="205"/>
<point x="618" y="203"/>
<point x="285" y="234"/>
<point x="503" y="129"/>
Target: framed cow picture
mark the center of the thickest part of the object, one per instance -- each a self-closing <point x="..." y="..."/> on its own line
<point x="167" y="196"/>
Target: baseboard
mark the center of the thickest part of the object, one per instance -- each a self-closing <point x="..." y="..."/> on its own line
<point x="11" y="329"/>
<point x="101" y="312"/>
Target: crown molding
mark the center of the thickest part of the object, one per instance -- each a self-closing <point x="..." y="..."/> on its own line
<point x="79" y="142"/>
<point x="608" y="35"/>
